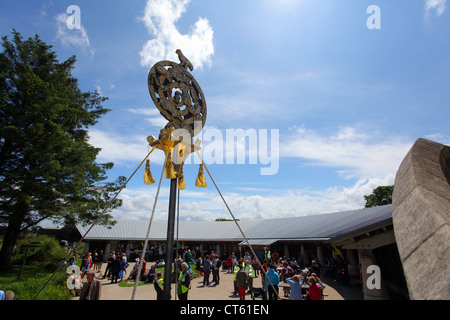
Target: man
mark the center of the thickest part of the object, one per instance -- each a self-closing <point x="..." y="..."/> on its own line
<point x="216" y="264"/>
<point x="206" y="270"/>
<point x="184" y="282"/>
<point x="115" y="269"/>
<point x="109" y="265"/>
<point x="247" y="258"/>
<point x="273" y="279"/>
<point x="92" y="289"/>
<point x="236" y="269"/>
<point x="251" y="274"/>
<point x="158" y="283"/>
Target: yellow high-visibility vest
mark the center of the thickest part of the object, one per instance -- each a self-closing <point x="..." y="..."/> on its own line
<point x="182" y="288"/>
<point x="161" y="283"/>
<point x="250" y="271"/>
<point x="236" y="269"/>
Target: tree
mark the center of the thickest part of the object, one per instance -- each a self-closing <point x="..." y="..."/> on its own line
<point x="379" y="197"/>
<point x="47" y="167"/>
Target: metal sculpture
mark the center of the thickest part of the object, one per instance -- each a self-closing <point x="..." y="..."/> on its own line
<point x="180" y="100"/>
<point x="177" y="95"/>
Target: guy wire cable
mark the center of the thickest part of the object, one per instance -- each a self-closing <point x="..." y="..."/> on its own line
<point x="144" y="249"/>
<point x="235" y="221"/>
<point x="95" y="222"/>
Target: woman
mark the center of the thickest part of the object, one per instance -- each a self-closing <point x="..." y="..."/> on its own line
<point x="241" y="282"/>
<point x="314" y="292"/>
<point x="272" y="283"/>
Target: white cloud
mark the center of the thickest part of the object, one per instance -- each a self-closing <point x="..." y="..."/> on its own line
<point x="72" y="37"/>
<point x="438" y="5"/>
<point x="159" y="18"/>
<point x="120" y="148"/>
<point x="206" y="205"/>
<point x="439" y="138"/>
<point x="152" y="116"/>
<point x="356" y="153"/>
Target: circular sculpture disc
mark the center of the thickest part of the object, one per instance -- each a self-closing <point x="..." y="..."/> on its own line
<point x="177" y="96"/>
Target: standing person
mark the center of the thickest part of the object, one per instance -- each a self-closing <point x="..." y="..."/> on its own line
<point x="158" y="283"/>
<point x="233" y="263"/>
<point x="123" y="268"/>
<point x="216" y="264"/>
<point x="115" y="269"/>
<point x="247" y="258"/>
<point x="229" y="264"/>
<point x="255" y="265"/>
<point x="268" y="254"/>
<point x="184" y="282"/>
<point x="264" y="268"/>
<point x="83" y="262"/>
<point x="188" y="257"/>
<point x="272" y="283"/>
<point x="95" y="261"/>
<point x="91" y="262"/>
<point x="251" y="274"/>
<point x="235" y="270"/>
<point x="87" y="266"/>
<point x="100" y="261"/>
<point x="206" y="270"/>
<point x="92" y="289"/>
<point x="108" y="265"/>
<point x="143" y="269"/>
<point x="241" y="282"/>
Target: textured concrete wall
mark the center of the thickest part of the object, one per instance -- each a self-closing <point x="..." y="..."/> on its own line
<point x="421" y="217"/>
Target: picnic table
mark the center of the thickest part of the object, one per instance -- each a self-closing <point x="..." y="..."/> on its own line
<point x="287" y="288"/>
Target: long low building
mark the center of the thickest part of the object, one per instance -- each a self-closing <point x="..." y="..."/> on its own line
<point x="357" y="238"/>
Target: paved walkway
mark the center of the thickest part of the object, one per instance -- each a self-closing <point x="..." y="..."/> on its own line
<point x="223" y="291"/>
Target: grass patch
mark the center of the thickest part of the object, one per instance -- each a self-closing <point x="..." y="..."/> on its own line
<point x="33" y="278"/>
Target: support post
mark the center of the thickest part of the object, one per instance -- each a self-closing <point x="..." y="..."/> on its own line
<point x="169" y="240"/>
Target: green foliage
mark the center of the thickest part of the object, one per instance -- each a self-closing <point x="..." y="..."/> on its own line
<point x="48" y="252"/>
<point x="48" y="170"/>
<point x="379" y="196"/>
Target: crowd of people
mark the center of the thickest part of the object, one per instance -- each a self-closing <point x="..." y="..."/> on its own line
<point x="304" y="284"/>
<point x="274" y="272"/>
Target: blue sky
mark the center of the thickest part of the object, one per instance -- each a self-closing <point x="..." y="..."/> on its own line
<point x="347" y="101"/>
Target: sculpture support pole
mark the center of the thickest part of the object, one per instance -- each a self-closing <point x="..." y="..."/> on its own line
<point x="169" y="241"/>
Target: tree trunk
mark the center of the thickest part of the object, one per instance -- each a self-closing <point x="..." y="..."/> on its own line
<point x="12" y="232"/>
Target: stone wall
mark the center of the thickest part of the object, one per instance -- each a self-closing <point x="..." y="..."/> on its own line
<point x="421" y="217"/>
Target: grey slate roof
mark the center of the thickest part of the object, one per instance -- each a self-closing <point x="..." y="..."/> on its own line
<point x="320" y="227"/>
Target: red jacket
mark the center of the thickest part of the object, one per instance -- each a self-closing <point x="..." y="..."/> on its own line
<point x="314" y="292"/>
